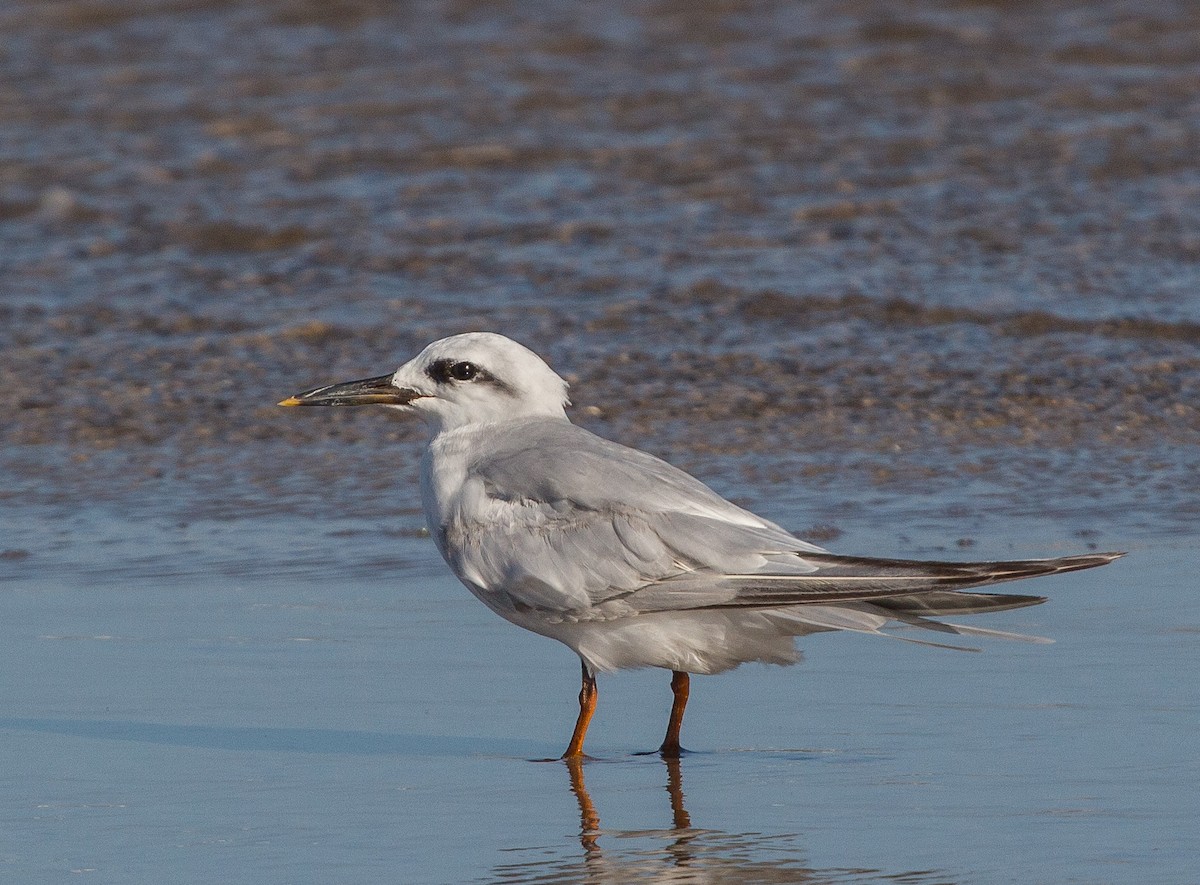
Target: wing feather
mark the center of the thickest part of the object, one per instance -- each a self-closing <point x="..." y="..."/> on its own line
<point x="581" y="528"/>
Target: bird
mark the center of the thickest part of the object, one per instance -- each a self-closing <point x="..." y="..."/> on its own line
<point x="627" y="560"/>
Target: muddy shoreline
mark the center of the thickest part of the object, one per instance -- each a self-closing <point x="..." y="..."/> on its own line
<point x="822" y="244"/>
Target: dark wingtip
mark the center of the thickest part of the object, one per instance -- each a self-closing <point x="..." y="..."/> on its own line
<point x="1090" y="560"/>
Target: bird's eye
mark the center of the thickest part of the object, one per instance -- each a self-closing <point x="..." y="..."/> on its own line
<point x="463" y="371"/>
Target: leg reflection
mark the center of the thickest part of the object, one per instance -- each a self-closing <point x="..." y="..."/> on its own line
<point x="589" y="817"/>
<point x="589" y="820"/>
<point x="679" y="815"/>
<point x="673" y="849"/>
<point x="680" y="850"/>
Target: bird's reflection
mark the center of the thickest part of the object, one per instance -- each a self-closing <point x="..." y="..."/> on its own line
<point x="589" y="818"/>
<point x="676" y="855"/>
<point x="681" y="853"/>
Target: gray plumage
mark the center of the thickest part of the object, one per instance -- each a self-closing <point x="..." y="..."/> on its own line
<point x="578" y="529"/>
<point x="627" y="560"/>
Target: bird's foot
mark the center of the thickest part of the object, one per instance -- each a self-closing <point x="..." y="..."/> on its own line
<point x="666" y="752"/>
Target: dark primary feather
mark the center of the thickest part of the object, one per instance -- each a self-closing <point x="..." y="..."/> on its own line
<point x="903" y="585"/>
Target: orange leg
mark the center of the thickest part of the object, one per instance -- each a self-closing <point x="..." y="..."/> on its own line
<point x="680" y="685"/>
<point x="587" y="706"/>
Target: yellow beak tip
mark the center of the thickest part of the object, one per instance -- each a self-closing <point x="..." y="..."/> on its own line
<point x="290" y="401"/>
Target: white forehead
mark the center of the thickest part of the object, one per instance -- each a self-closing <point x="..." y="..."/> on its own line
<point x="487" y="349"/>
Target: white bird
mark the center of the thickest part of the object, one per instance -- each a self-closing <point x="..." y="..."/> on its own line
<point x="626" y="560"/>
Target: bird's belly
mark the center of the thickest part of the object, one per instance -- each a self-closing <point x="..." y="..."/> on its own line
<point x="691" y="641"/>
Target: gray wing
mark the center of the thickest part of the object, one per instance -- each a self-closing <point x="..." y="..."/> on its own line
<point x="556" y="463"/>
<point x="560" y="520"/>
<point x="581" y="528"/>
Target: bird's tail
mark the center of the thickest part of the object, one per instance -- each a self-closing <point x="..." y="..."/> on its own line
<point x="864" y="594"/>
<point x="957" y="575"/>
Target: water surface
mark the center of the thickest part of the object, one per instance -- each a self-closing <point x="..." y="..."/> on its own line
<point x="297" y="719"/>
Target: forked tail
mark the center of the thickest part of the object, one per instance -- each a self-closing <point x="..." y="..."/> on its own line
<point x="864" y="594"/>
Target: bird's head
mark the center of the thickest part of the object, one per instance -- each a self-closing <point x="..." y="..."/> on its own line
<point x="474" y="378"/>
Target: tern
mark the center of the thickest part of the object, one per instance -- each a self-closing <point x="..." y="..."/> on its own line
<point x="625" y="559"/>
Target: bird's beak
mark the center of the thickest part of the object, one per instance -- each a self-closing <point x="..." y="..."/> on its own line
<point x="368" y="391"/>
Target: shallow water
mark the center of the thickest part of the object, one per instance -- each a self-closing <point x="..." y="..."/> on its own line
<point x="224" y="698"/>
<point x="919" y="284"/>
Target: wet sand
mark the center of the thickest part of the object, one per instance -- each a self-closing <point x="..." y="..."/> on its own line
<point x="951" y="245"/>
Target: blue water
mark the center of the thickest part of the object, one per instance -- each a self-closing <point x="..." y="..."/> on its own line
<point x="233" y="701"/>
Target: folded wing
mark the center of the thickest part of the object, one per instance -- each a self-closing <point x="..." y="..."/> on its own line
<point x="579" y="528"/>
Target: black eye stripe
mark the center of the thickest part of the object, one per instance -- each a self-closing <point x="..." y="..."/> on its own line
<point x="450" y="371"/>
<point x="446" y="371"/>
